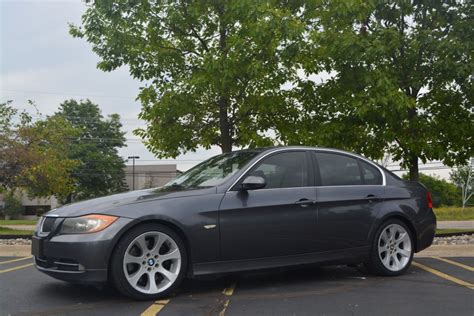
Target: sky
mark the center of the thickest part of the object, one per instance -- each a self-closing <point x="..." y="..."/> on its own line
<point x="40" y="61"/>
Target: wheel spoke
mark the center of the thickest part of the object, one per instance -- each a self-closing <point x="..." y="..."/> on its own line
<point x="404" y="253"/>
<point x="152" y="286"/>
<point x="132" y="259"/>
<point x="141" y="242"/>
<point x="133" y="279"/>
<point x="170" y="276"/>
<point x="173" y="254"/>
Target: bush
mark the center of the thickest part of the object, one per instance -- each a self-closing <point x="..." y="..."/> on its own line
<point x="13" y="207"/>
<point x="452" y="213"/>
<point x="442" y="191"/>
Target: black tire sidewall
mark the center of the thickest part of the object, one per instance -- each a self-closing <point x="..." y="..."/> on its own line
<point x="375" y="264"/>
<point x="117" y="276"/>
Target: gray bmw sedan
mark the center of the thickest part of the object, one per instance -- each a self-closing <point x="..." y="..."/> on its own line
<point x="244" y="210"/>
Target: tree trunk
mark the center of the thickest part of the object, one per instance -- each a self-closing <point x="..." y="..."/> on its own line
<point x="224" y="126"/>
<point x="224" y="101"/>
<point x="413" y="168"/>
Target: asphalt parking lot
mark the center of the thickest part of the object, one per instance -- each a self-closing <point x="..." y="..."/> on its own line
<point x="434" y="286"/>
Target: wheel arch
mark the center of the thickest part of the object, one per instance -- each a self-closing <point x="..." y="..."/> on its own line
<point x="404" y="219"/>
<point x="147" y="220"/>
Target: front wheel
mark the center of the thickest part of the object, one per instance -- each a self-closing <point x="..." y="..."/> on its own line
<point x="149" y="262"/>
<point x="392" y="249"/>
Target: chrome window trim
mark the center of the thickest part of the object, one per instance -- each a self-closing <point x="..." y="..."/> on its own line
<point x="384" y="183"/>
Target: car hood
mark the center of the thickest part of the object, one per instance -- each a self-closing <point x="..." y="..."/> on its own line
<point x="107" y="204"/>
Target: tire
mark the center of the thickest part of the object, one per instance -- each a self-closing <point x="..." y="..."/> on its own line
<point x="392" y="249"/>
<point x="147" y="253"/>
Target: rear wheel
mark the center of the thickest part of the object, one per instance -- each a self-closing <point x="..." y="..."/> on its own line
<point x="149" y="262"/>
<point x="392" y="249"/>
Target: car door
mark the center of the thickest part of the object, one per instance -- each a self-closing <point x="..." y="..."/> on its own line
<point x="349" y="195"/>
<point x="277" y="220"/>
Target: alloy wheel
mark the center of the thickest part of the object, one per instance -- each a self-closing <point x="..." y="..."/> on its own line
<point x="394" y="247"/>
<point x="152" y="262"/>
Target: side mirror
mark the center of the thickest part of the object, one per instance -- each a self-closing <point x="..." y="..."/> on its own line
<point x="253" y="183"/>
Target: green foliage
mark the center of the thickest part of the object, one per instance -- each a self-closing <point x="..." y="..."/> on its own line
<point x="463" y="177"/>
<point x="18" y="222"/>
<point x="12" y="207"/>
<point x="99" y="170"/>
<point x="442" y="191"/>
<point x="33" y="155"/>
<point x="10" y="231"/>
<point x="400" y="79"/>
<point x="247" y="73"/>
<point x="214" y="69"/>
<point x="450" y="213"/>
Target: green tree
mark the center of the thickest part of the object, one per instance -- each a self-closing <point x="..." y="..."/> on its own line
<point x="399" y="79"/>
<point x="214" y="69"/>
<point x="34" y="154"/>
<point x="463" y="177"/>
<point x="12" y="208"/>
<point x="100" y="170"/>
<point x="444" y="193"/>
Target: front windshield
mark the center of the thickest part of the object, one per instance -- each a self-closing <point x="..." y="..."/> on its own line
<point x="213" y="171"/>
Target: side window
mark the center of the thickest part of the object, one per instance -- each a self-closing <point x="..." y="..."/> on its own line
<point x="338" y="169"/>
<point x="372" y="175"/>
<point x="283" y="170"/>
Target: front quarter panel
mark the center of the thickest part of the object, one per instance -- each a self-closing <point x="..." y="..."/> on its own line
<point x="195" y="216"/>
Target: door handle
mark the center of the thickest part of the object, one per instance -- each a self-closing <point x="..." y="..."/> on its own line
<point x="371" y="198"/>
<point x="305" y="202"/>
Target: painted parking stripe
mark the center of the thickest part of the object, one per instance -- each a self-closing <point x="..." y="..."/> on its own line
<point x="15" y="260"/>
<point x="468" y="268"/>
<point x="16" y="268"/>
<point x="155" y="308"/>
<point x="444" y="275"/>
<point x="228" y="291"/>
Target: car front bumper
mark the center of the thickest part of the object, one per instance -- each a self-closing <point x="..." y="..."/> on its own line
<point x="80" y="258"/>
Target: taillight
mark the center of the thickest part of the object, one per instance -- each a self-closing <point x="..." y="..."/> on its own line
<point x="429" y="199"/>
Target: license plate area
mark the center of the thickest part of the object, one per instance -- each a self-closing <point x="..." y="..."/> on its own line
<point x="37" y="246"/>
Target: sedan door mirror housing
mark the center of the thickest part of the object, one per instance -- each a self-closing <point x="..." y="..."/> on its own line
<point x="253" y="183"/>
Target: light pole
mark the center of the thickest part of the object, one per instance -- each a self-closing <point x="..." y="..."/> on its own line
<point x="133" y="170"/>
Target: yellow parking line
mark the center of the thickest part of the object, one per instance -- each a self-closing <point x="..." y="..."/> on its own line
<point x="444" y="275"/>
<point x="16" y="268"/>
<point x="15" y="260"/>
<point x="455" y="263"/>
<point x="155" y="308"/>
<point x="228" y="291"/>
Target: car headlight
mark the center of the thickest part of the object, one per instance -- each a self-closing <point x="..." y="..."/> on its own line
<point x="87" y="224"/>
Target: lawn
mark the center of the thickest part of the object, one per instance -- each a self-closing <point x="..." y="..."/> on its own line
<point x="18" y="222"/>
<point x="9" y="231"/>
<point x="451" y="231"/>
<point x="448" y="213"/>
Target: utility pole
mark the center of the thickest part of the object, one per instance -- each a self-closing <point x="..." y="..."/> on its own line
<point x="133" y="170"/>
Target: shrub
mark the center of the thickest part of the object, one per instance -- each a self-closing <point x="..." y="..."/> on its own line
<point x="13" y="207"/>
<point x="442" y="191"/>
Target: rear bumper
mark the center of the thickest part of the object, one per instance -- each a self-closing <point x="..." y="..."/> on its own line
<point x="426" y="231"/>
